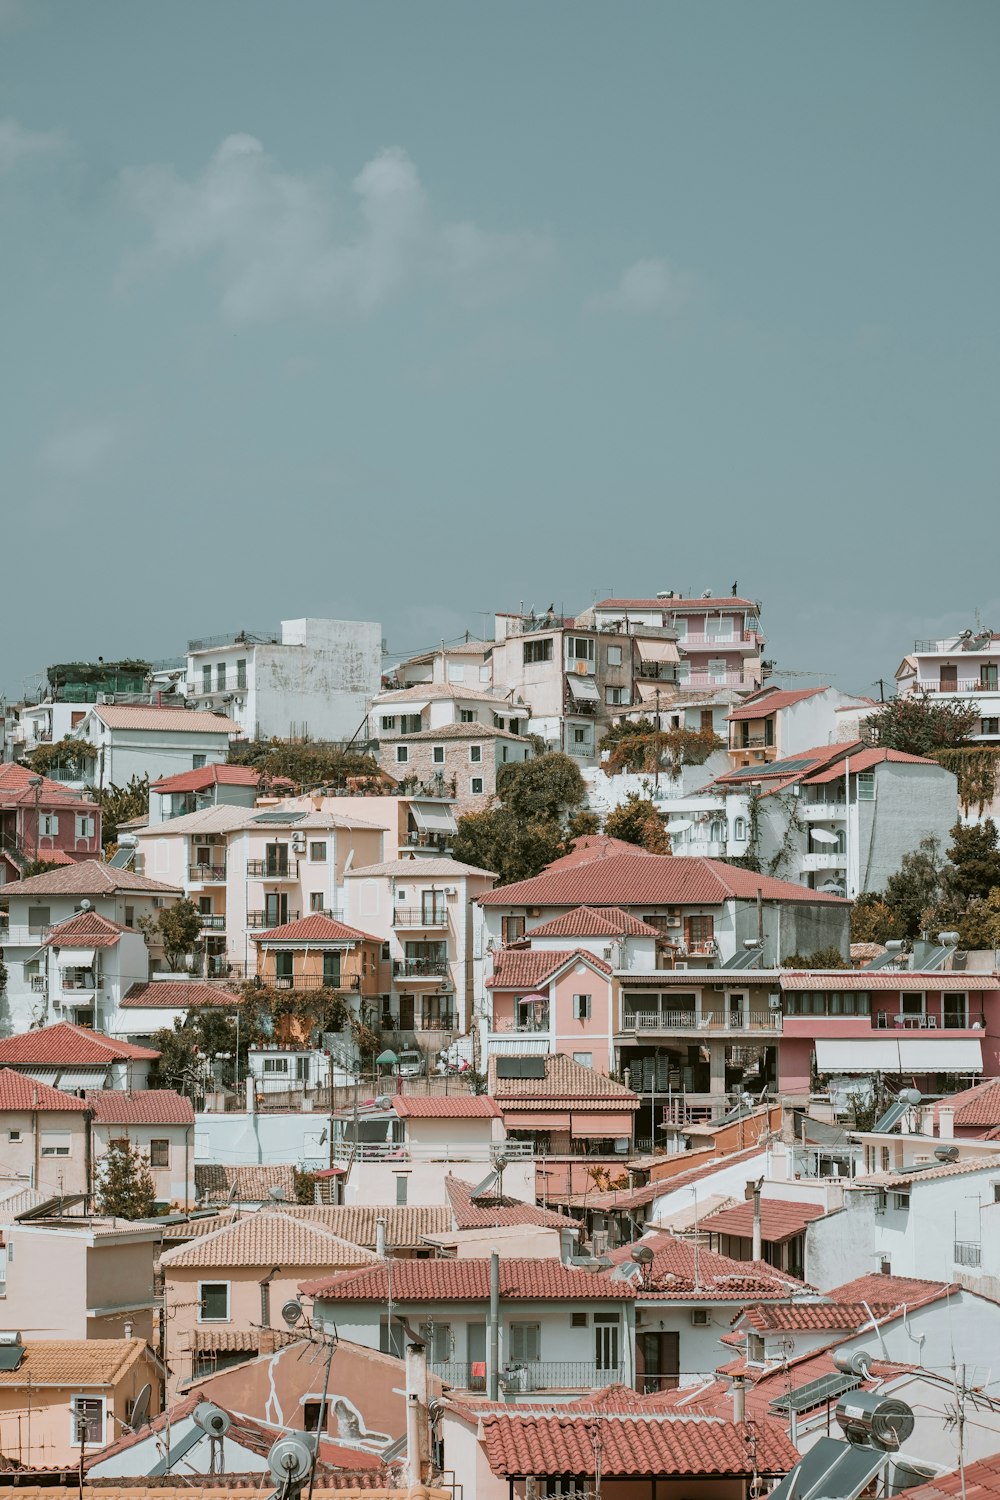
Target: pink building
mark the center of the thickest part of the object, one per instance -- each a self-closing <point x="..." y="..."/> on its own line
<point x="45" y="1143"/>
<point x="41" y="819"/>
<point x="555" y="1001"/>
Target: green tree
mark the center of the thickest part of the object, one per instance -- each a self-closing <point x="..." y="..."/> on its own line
<point x="975" y="859"/>
<point x="73" y="758"/>
<point x="873" y="920"/>
<point x="305" y="1186"/>
<point x="918" y="723"/>
<point x="124" y="1185"/>
<point x="637" y="821"/>
<point x="178" y="929"/>
<point x="119" y="804"/>
<point x="546" y="789"/>
<point x="499" y="840"/>
<point x="307" y="764"/>
<point x="582" y="824"/>
<point x="823" y="958"/>
<point x="918" y="885"/>
<point x="637" y="745"/>
<point x="38" y="867"/>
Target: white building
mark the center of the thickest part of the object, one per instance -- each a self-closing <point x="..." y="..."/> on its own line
<point x="157" y="1122"/>
<point x="142" y="740"/>
<point x="959" y="668"/>
<point x="312" y="678"/>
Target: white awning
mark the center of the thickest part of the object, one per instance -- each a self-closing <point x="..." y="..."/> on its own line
<point x="75" y="958"/>
<point x="658" y="650"/>
<point x="679" y="825"/>
<point x="930" y="1052"/>
<point x="431" y="817"/>
<point x="43" y="1075"/>
<point x="83" y="1078"/>
<point x="822" y="836"/>
<point x="583" y="689"/>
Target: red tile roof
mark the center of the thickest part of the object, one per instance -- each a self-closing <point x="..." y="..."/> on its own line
<point x="445" y="1106"/>
<point x="887" y="1291"/>
<point x="565" y="1079"/>
<point x="149" y="716"/>
<point x="680" y="606"/>
<point x="981" y="1481"/>
<point x="632" y="1445"/>
<point x="594" y="921"/>
<point x="769" y="701"/>
<point x="206" y="776"/>
<point x="541" y="1280"/>
<point x="977" y="1108"/>
<point x="884" y="979"/>
<point x="67" y="1044"/>
<point x="87" y="877"/>
<point x="527" y="968"/>
<point x="779" y="1220"/>
<point x="141" y="1107"/>
<point x="315" y="929"/>
<point x="806" y="1316"/>
<point x="680" y="1270"/>
<point x="863" y="760"/>
<point x="17" y="1091"/>
<point x="590" y="846"/>
<point x="16" y="789"/>
<point x="492" y="1212"/>
<point x="177" y="994"/>
<point x="648" y="880"/>
<point x="88" y="929"/>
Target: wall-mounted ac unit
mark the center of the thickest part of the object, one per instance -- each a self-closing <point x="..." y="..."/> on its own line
<point x="673" y="921"/>
<point x="451" y="890"/>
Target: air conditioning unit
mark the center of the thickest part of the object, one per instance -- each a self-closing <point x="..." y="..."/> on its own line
<point x="699" y="1317"/>
<point x="673" y="921"/>
<point x="451" y="890"/>
<point x="774" y="1002"/>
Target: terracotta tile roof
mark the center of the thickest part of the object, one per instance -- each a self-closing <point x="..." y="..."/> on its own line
<point x="932" y="1174"/>
<point x="564" y="1079"/>
<point x="981" y="1481"/>
<point x="21" y="1092"/>
<point x="68" y="1044"/>
<point x="807" y="1315"/>
<point x="373" y="1484"/>
<point x="977" y="1108"/>
<point x="661" y="1186"/>
<point x="17" y="789"/>
<point x="648" y="880"/>
<point x="526" y="968"/>
<point x="63" y="1363"/>
<point x="780" y="1220"/>
<point x="213" y="1182"/>
<point x="464" y="732"/>
<point x="419" y="869"/>
<point x="206" y="776"/>
<point x="315" y="929"/>
<point x="656" y="1444"/>
<point x="769" y="701"/>
<point x="594" y="921"/>
<point x="88" y="929"/>
<point x="445" y="1106"/>
<point x="163" y="720"/>
<point x="887" y="1291"/>
<point x="228" y="1340"/>
<point x="87" y="877"/>
<point x="176" y="994"/>
<point x="494" y="1212"/>
<point x="884" y="979"/>
<point x="268" y="1238"/>
<point x="140" y="1107"/>
<point x="541" y="1280"/>
<point x="680" y="1270"/>
<point x="406" y="1227"/>
<point x="591" y="846"/>
<point x="864" y="759"/>
<point x="679" y="606"/>
<point x="431" y="691"/>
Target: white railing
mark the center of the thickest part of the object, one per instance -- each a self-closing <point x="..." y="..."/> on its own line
<point x="369" y="1151"/>
<point x="710" y="1020"/>
<point x="822" y="812"/>
<point x="826" y="861"/>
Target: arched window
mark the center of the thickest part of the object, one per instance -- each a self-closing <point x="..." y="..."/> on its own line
<point x="716" y="830"/>
<point x="740" y="829"/>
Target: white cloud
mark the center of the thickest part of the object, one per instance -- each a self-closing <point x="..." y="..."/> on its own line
<point x="78" y="448"/>
<point x="283" y="244"/>
<point x="648" y="286"/>
<point x="19" y="144"/>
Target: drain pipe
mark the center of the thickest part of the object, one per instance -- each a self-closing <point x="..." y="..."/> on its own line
<point x="494" y="1343"/>
<point x="380" y="1238"/>
<point x="758" y="1246"/>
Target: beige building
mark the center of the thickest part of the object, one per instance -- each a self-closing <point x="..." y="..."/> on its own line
<point x="461" y="759"/>
<point x="157" y="1122"/>
<point x="44" y="1141"/>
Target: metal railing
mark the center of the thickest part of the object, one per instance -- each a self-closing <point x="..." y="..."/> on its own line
<point x="419" y="968"/>
<point x="884" y="1020"/>
<point x="962" y="685"/>
<point x="240" y="638"/>
<point x="415" y="839"/>
<point x="416" y="916"/>
<point x="534" y="1375"/>
<point x="84" y="979"/>
<point x="213" y="920"/>
<point x="312" y="982"/>
<point x="397" y="1151"/>
<point x="507" y="1026"/>
<point x="968" y="1253"/>
<point x="217" y="966"/>
<point x="205" y="873"/>
<point x="711" y="1020"/>
<point x="752" y="742"/>
<point x="260" y="919"/>
<point x="273" y="869"/>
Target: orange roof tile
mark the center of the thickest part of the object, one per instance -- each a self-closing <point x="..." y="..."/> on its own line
<point x="541" y="1280"/>
<point x="491" y="1212"/>
<point x="445" y="1106"/>
<point x="88" y="929"/>
<point x="780" y="1220"/>
<point x="975" y="1108"/>
<point x="526" y="968"/>
<point x="141" y="1107"/>
<point x="594" y="921"/>
<point x="67" y="1044"/>
<point x="315" y="929"/>
<point x="770" y="700"/>
<point x="980" y="1481"/>
<point x="214" y="1182"/>
<point x="160" y="720"/>
<point x="21" y="1092"/>
<point x="206" y="776"/>
<point x="69" y="1363"/>
<point x="87" y="877"/>
<point x="564" y="1079"/>
<point x="268" y="1238"/>
<point x="177" y="994"/>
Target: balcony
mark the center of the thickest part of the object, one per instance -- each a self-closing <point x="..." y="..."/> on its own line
<point x="206" y="874"/>
<point x="213" y="921"/>
<point x="419" y="917"/>
<point x="262" y="919"/>
<point x="753" y="742"/>
<point x="436" y="843"/>
<point x="346" y="982"/>
<point x="419" y="968"/>
<point x="968" y="1253"/>
<point x="218" y="966"/>
<point x="20" y="935"/>
<point x="80" y="979"/>
<point x="645" y="1021"/>
<point x="837" y="860"/>
<point x="823" y="812"/>
<point x="507" y="1027"/>
<point x="397" y="1151"/>
<point x="708" y="680"/>
<point x="273" y="869"/>
<point x="701" y="848"/>
<point x="536" y="1375"/>
<point x="962" y="686"/>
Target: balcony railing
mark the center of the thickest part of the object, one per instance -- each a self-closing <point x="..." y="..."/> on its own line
<point x="827" y="859"/>
<point x="82" y="979"/>
<point x="884" y="1020"/>
<point x="419" y="968"/>
<point x="536" y="1375"/>
<point x="712" y="1020"/>
<point x="422" y="917"/>
<point x="963" y="685"/>
<point x="366" y="1151"/>
<point x="214" y="921"/>
<point x="505" y="1026"/>
<point x="264" y="919"/>
<point x="312" y="982"/>
<point x="968" y="1253"/>
<point x="218" y="966"/>
<point x="823" y="812"/>
<point x="202" y="874"/>
<point x="273" y="869"/>
<point x="753" y="742"/>
<point x="420" y="840"/>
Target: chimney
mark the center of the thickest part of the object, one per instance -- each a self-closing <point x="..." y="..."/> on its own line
<point x="417" y="1417"/>
<point x="128" y="1328"/>
<point x="946" y="1122"/>
<point x="380" y="1238"/>
<point x="739" y="1396"/>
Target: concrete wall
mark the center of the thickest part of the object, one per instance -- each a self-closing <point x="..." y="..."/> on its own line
<point x="174" y="1183"/>
<point x="25" y="1140"/>
<point x="252" y="1139"/>
<point x="911" y="803"/>
<point x="374" y="1182"/>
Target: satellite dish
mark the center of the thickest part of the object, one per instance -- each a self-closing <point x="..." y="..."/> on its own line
<point x="85" y="905"/>
<point x="292" y="1311"/>
<point x="232" y="1193"/>
<point x="211" y="1419"/>
<point x="140" y="1409"/>
<point x="276" y="1193"/>
<point x="291" y="1458"/>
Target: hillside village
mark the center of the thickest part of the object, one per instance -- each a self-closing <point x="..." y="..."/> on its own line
<point x="555" y="1064"/>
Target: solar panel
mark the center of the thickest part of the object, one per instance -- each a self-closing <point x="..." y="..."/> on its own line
<point x="278" y="817"/>
<point x="521" y="1067"/>
<point x="748" y="958"/>
<point x="815" y="1393"/>
<point x="832" y="1470"/>
<point x="892" y="1116"/>
<point x="122" y="858"/>
<point x="770" y="768"/>
<point x="11" y="1356"/>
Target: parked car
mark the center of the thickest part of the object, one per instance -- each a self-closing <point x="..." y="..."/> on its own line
<point x="412" y="1063"/>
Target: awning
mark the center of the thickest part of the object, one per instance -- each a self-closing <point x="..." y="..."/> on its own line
<point x="658" y="650"/>
<point x="601" y="1127"/>
<point x="431" y="817"/>
<point x="901" y="1053"/>
<point x="679" y="825"/>
<point x="75" y="958"/>
<point x="822" y="836"/>
<point x="43" y="1075"/>
<point x="83" y="1078"/>
<point x="583" y="689"/>
<point x="543" y="1119"/>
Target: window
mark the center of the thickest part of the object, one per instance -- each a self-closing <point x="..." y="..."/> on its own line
<point x="316" y="899"/>
<point x="317" y="853"/>
<point x="206" y="679"/>
<point x="56" y="1143"/>
<point x="988" y="676"/>
<point x="87" y="1420"/>
<point x="901" y="1201"/>
<point x="607" y="1350"/>
<point x="436" y="1013"/>
<point x="466" y="716"/>
<point x="476" y="786"/>
<point x="401" y="1189"/>
<point x="511" y="929"/>
<point x="220" y="677"/>
<point x="475" y="754"/>
<point x="886" y="1159"/>
<point x="433" y="908"/>
<point x="579" y="736"/>
<point x="84" y="826"/>
<point x="706" y="721"/>
<point x="585" y="1059"/>
<point x="276" y="1065"/>
<point x="866" y="786"/>
<point x="276" y="859"/>
<point x="38" y="918"/>
<point x="159" y="1153"/>
<point x="241" y="673"/>
<point x="614" y="656"/>
<point x="740" y="830"/>
<point x="524" y="1343"/>
<point x="48" y="824"/>
<point x="388" y="721"/>
<point x="410" y="724"/>
<point x="315" y="1416"/>
<point x="700" y="930"/>
<point x="439" y="1341"/>
<point x="13" y="1135"/>
<point x="284" y="965"/>
<point x="538" y="650"/>
<point x="582" y="1005"/>
<point x="402" y="754"/>
<point x="198" y="762"/>
<point x="579" y="648"/>
<point x="130" y="913"/>
<point x="331" y="969"/>
<point x="615" y="696"/>
<point x="437" y="755"/>
<point x="391" y="1339"/>
<point x="213" y="1301"/>
<point x="989" y="726"/>
<point x="755" y="1348"/>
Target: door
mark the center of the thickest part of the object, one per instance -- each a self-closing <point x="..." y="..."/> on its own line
<point x="988" y="676"/>
<point x="331" y="969"/>
<point x="433" y="908"/>
<point x="406" y="1016"/>
<point x="949" y="678"/>
<point x="659" y="1361"/>
<point x="737" y="1011"/>
<point x="477" y="1356"/>
<point x="954" y="1010"/>
<point x="275" y="910"/>
<point x="277" y="859"/>
<point x="607" y="1342"/>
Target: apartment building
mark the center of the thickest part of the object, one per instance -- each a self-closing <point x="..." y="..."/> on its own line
<point x="311" y="678"/>
<point x="41" y="819"/>
<point x="143" y="739"/>
<point x="719" y="640"/>
<point x="461" y="760"/>
<point x="963" y="667"/>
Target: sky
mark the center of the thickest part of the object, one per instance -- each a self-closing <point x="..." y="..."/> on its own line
<point x="416" y="311"/>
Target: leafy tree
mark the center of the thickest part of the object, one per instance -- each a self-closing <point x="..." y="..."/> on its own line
<point x="499" y="840"/>
<point x="307" y="765"/>
<point x="119" y="804"/>
<point x="305" y="1186"/>
<point x="917" y="885"/>
<point x="918" y="723"/>
<point x="823" y="958"/>
<point x="124" y="1183"/>
<point x="38" y="867"/>
<point x="979" y="926"/>
<point x="582" y="825"/>
<point x="873" y="920"/>
<point x="547" y="789"/>
<point x="73" y="757"/>
<point x="975" y="859"/>
<point x="178" y="928"/>
<point x="636" y="745"/>
<point x="637" y="821"/>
